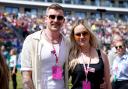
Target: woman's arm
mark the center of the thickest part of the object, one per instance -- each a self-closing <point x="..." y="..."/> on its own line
<point x="106" y="71"/>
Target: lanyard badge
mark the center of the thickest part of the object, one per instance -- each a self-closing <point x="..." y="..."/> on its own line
<point x="86" y="84"/>
<point x="57" y="71"/>
<point x="115" y="75"/>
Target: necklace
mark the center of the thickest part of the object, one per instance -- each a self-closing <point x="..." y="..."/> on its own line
<point x="86" y="56"/>
<point x="54" y="51"/>
<point x="55" y="41"/>
<point x="85" y="49"/>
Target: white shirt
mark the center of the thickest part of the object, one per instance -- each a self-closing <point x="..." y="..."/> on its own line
<point x="48" y="59"/>
<point x="120" y="67"/>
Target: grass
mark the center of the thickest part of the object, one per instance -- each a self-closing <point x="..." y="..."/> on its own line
<point x="19" y="82"/>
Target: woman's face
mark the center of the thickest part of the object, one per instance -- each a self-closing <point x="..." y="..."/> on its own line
<point x="81" y="35"/>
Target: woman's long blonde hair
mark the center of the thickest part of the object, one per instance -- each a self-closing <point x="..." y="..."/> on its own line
<point x="75" y="50"/>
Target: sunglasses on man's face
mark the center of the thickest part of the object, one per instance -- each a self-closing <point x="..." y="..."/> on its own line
<point x="59" y="17"/>
<point x="82" y="33"/>
<point x="119" y="47"/>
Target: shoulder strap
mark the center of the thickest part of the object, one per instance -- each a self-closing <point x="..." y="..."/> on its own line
<point x="99" y="53"/>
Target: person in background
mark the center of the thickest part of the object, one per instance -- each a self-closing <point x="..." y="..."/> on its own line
<point x="104" y="48"/>
<point x="44" y="53"/>
<point x="88" y="66"/>
<point x="112" y="52"/>
<point x="5" y="53"/>
<point x="12" y="65"/>
<point x="119" y="71"/>
<point x="4" y="73"/>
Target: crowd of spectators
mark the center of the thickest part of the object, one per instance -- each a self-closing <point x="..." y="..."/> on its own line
<point x="26" y="24"/>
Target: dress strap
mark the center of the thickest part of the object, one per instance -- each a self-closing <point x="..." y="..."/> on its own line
<point x="99" y="53"/>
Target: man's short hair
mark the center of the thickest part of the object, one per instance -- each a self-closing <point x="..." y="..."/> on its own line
<point x="116" y="38"/>
<point x="55" y="6"/>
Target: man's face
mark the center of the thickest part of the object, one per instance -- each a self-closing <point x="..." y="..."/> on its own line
<point x="54" y="19"/>
<point x="120" y="48"/>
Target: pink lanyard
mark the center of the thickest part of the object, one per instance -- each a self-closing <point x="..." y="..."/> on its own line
<point x="54" y="50"/>
<point x="86" y="68"/>
<point x="116" y="68"/>
<point x="55" y="53"/>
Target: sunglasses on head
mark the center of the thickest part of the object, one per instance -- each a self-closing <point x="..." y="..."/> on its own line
<point x="120" y="46"/>
<point x="82" y="33"/>
<point x="59" y="17"/>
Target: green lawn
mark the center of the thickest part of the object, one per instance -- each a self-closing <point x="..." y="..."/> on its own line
<point x="19" y="82"/>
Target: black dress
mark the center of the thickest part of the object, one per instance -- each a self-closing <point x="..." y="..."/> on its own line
<point x="96" y="78"/>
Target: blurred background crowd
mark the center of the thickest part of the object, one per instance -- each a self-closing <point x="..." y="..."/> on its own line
<point x="14" y="28"/>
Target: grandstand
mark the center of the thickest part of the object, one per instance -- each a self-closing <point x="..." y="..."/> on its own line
<point x="111" y="9"/>
<point x="22" y="17"/>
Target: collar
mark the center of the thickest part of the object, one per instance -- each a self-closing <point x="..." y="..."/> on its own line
<point x="123" y="57"/>
<point x="37" y="35"/>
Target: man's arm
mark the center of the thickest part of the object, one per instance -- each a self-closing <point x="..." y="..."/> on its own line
<point x="27" y="80"/>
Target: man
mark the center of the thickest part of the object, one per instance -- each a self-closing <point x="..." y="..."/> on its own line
<point x="112" y="51"/>
<point x="44" y="53"/>
<point x="120" y="66"/>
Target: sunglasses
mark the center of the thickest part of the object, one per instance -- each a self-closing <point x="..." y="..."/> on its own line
<point x="121" y="46"/>
<point x="59" y="17"/>
<point x="82" y="33"/>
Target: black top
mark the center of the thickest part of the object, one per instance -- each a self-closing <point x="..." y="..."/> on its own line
<point x="96" y="78"/>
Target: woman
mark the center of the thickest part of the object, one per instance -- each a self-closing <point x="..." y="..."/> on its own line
<point x="120" y="66"/>
<point x="88" y="66"/>
<point x="12" y="65"/>
<point x="4" y="73"/>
